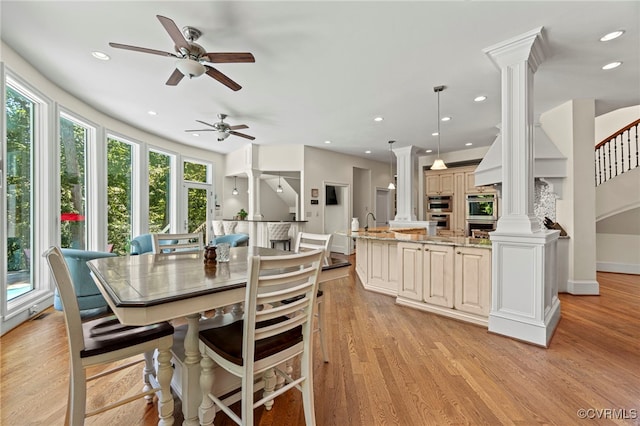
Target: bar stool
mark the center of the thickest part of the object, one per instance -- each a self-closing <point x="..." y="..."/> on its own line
<point x="279" y="233"/>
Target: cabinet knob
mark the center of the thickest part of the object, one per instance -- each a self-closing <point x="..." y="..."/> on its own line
<point x="458" y="252"/>
<point x="426" y="249"/>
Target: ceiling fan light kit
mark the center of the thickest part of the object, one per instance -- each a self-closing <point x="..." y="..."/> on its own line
<point x="438" y="164"/>
<point x="190" y="68"/>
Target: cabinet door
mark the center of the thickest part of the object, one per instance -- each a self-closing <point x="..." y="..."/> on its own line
<point x="459" y="215"/>
<point x="446" y="184"/>
<point x="361" y="258"/>
<point x="410" y="271"/>
<point x="470" y="183"/>
<point x="438" y="275"/>
<point x="472" y="280"/>
<point x="432" y="184"/>
<point x="382" y="266"/>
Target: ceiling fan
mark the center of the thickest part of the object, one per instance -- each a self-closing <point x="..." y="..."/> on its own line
<point x="223" y="129"/>
<point x="193" y="60"/>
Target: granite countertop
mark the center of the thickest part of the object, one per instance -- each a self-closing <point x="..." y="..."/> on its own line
<point x="404" y="236"/>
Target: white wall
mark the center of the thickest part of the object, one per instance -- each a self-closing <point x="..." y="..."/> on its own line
<point x="618" y="253"/>
<point x="608" y="124"/>
<point x="570" y="127"/>
<point x="317" y="172"/>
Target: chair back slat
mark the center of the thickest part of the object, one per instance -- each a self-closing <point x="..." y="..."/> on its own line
<point x="177" y="243"/>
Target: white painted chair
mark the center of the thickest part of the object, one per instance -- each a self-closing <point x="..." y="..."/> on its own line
<point x="218" y="228"/>
<point x="229" y="227"/>
<point x="177" y="243"/>
<point x="105" y="340"/>
<point x="307" y="241"/>
<point x="266" y="338"/>
<point x="279" y="233"/>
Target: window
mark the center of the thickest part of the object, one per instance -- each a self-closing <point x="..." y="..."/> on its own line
<point x="160" y="191"/>
<point x="196" y="172"/>
<point x="119" y="194"/>
<point x="20" y="110"/>
<point x="73" y="142"/>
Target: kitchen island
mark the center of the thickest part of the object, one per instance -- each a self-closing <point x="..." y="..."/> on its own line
<point x="450" y="276"/>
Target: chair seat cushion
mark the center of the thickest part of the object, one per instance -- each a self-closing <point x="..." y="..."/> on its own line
<point x="107" y="334"/>
<point x="293" y="299"/>
<point x="227" y="341"/>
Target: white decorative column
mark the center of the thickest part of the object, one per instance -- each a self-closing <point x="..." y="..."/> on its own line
<point x="253" y="176"/>
<point x="524" y="291"/>
<point x="407" y="185"/>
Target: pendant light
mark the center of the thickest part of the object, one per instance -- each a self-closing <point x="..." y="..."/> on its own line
<point x="279" y="188"/>
<point x="391" y="184"/>
<point x="235" y="186"/>
<point x="438" y="164"/>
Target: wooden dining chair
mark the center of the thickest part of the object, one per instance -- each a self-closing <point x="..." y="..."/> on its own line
<point x="266" y="337"/>
<point x="307" y="241"/>
<point x="105" y="340"/>
<point x="177" y="243"/>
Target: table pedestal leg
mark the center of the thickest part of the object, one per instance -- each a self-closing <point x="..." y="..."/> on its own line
<point x="165" y="399"/>
<point x="191" y="395"/>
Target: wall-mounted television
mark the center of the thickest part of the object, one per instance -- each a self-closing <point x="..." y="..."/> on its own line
<point x="331" y="198"/>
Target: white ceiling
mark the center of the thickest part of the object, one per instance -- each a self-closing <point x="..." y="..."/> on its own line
<point x="324" y="70"/>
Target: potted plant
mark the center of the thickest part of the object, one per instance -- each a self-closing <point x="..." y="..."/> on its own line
<point x="242" y="214"/>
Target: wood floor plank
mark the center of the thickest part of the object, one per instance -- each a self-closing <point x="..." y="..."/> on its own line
<point x="390" y="365"/>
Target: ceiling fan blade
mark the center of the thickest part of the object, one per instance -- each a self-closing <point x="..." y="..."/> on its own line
<point x="242" y="135"/>
<point x="238" y="127"/>
<point x="175" y="78"/>
<point x="141" y="49"/>
<point x="212" y="72"/>
<point x="174" y="32"/>
<point x="205" y="123"/>
<point x="201" y="130"/>
<point x="230" y="57"/>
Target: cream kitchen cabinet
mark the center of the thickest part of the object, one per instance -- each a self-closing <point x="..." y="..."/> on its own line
<point x="472" y="280"/>
<point x="382" y="266"/>
<point x="438" y="275"/>
<point x="426" y="273"/>
<point x="439" y="184"/>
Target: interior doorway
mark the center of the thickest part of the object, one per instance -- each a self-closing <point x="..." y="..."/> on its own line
<point x="383" y="206"/>
<point x="336" y="215"/>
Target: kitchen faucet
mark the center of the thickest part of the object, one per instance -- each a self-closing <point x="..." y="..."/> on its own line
<point x="366" y="228"/>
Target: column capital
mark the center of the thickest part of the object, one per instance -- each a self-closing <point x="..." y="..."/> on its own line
<point x="530" y="47"/>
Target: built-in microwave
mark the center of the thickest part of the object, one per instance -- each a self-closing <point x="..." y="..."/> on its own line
<point x="482" y="207"/>
<point x="441" y="219"/>
<point x="439" y="203"/>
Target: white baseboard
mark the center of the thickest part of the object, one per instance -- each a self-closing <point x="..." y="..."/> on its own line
<point x="583" y="287"/>
<point x="621" y="268"/>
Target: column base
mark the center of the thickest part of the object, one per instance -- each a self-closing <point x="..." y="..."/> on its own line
<point x="583" y="287"/>
<point x="537" y="333"/>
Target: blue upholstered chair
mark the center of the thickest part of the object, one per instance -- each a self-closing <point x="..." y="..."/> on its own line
<point x="234" y="239"/>
<point x="88" y="295"/>
<point x="141" y="244"/>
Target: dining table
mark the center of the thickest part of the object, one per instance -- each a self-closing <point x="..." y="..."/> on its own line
<point x="150" y="288"/>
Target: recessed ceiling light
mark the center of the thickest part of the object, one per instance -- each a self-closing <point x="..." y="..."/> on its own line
<point x="434" y="134"/>
<point x="480" y="98"/>
<point x="612" y="35"/>
<point x="378" y="119"/>
<point x="468" y="144"/>
<point x="612" y="65"/>
<point x="100" y="55"/>
<point x="367" y="152"/>
<point x="195" y="134"/>
<point x="428" y="151"/>
<point x="446" y="118"/>
<point x="152" y="113"/>
<point x="327" y="141"/>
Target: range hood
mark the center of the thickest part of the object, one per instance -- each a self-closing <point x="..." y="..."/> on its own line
<point x="549" y="164"/>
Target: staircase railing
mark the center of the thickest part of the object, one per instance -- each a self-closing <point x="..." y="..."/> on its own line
<point x="610" y="154"/>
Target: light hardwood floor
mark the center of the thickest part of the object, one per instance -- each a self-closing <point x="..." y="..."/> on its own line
<point x="392" y="365"/>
